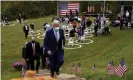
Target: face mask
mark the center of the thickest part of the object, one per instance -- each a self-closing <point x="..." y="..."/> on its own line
<point x="57" y="28"/>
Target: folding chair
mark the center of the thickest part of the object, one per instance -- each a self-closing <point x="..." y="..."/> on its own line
<point x="70" y="42"/>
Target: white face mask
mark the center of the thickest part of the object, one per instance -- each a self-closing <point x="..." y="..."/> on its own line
<point x="57" y="28"/>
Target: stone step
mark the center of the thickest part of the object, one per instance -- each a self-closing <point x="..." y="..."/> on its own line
<point x="62" y="76"/>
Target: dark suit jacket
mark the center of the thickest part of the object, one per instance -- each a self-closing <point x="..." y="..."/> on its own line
<point x="50" y="42"/>
<point x="29" y="50"/>
<point x="72" y="33"/>
<point x="32" y="26"/>
<point x="43" y="52"/>
<point x="24" y="29"/>
<point x="24" y="52"/>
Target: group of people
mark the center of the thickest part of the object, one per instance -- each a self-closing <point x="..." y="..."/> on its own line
<point x="51" y="52"/>
<point x="100" y="25"/>
<point x="21" y="17"/>
<point x="4" y="20"/>
<point x="26" y="29"/>
<point x="123" y="20"/>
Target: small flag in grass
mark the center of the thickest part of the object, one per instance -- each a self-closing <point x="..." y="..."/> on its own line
<point x="94" y="67"/>
<point x="79" y="67"/>
<point x="73" y="68"/>
<point x="110" y="68"/>
<point x="121" y="69"/>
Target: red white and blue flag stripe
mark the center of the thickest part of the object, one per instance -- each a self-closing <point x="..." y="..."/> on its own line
<point x="65" y="7"/>
<point x="121" y="69"/>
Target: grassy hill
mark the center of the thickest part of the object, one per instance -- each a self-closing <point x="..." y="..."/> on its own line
<point x="101" y="52"/>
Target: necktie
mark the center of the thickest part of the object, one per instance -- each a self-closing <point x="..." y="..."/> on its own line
<point x="56" y="35"/>
<point x="43" y="50"/>
<point x="33" y="47"/>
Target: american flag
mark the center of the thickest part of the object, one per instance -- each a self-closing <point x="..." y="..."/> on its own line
<point x="94" y="67"/>
<point x="79" y="67"/>
<point x="110" y="68"/>
<point x="73" y="68"/>
<point x="121" y="69"/>
<point x="65" y="7"/>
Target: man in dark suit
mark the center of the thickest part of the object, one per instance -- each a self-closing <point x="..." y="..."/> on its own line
<point x="32" y="26"/>
<point x="24" y="17"/>
<point x="98" y="21"/>
<point x="77" y="12"/>
<point x="88" y="23"/>
<point x="54" y="43"/>
<point x="96" y="27"/>
<point x="44" y="55"/>
<point x="26" y="30"/>
<point x="19" y="17"/>
<point x="33" y="54"/>
<point x="24" y="55"/>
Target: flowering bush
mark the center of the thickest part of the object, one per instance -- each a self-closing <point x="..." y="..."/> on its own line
<point x="18" y="65"/>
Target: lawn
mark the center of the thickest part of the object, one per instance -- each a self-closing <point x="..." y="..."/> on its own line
<point x="101" y="52"/>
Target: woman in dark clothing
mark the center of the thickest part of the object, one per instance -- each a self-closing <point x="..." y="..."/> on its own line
<point x="72" y="33"/>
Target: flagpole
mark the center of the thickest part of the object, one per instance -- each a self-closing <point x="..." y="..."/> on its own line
<point x="125" y="75"/>
<point x="57" y="8"/>
<point x="104" y="8"/>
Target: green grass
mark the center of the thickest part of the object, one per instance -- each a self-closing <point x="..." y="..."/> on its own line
<point x="103" y="50"/>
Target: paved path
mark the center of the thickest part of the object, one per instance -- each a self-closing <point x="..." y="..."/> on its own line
<point x="62" y="76"/>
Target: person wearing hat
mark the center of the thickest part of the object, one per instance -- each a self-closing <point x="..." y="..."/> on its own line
<point x="54" y="43"/>
<point x="33" y="54"/>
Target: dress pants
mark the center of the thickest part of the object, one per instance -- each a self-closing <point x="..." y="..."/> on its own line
<point x="32" y="62"/>
<point x="56" y="61"/>
<point x="26" y="34"/>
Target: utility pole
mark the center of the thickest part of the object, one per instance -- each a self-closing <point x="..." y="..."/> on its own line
<point x="57" y="8"/>
<point x="104" y="8"/>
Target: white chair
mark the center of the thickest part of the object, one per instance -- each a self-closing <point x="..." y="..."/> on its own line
<point x="129" y="24"/>
<point x="86" y="31"/>
<point x="31" y="32"/>
<point x="83" y="38"/>
<point x="67" y="34"/>
<point x="70" y="41"/>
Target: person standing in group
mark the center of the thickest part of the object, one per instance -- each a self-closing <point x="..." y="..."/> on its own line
<point x="54" y="43"/>
<point x="74" y="23"/>
<point x="76" y="12"/>
<point x="32" y="26"/>
<point x="88" y="23"/>
<point x="19" y="17"/>
<point x="67" y="21"/>
<point x="33" y="54"/>
<point x="44" y="56"/>
<point x="121" y="23"/>
<point x="98" y="21"/>
<point x="24" y="17"/>
<point x="96" y="27"/>
<point x="26" y="30"/>
<point x="24" y="55"/>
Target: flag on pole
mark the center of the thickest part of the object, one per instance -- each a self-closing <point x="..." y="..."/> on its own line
<point x="121" y="69"/>
<point x="73" y="68"/>
<point x="110" y="68"/>
<point x="79" y="67"/>
<point x="94" y="67"/>
<point x="65" y="7"/>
